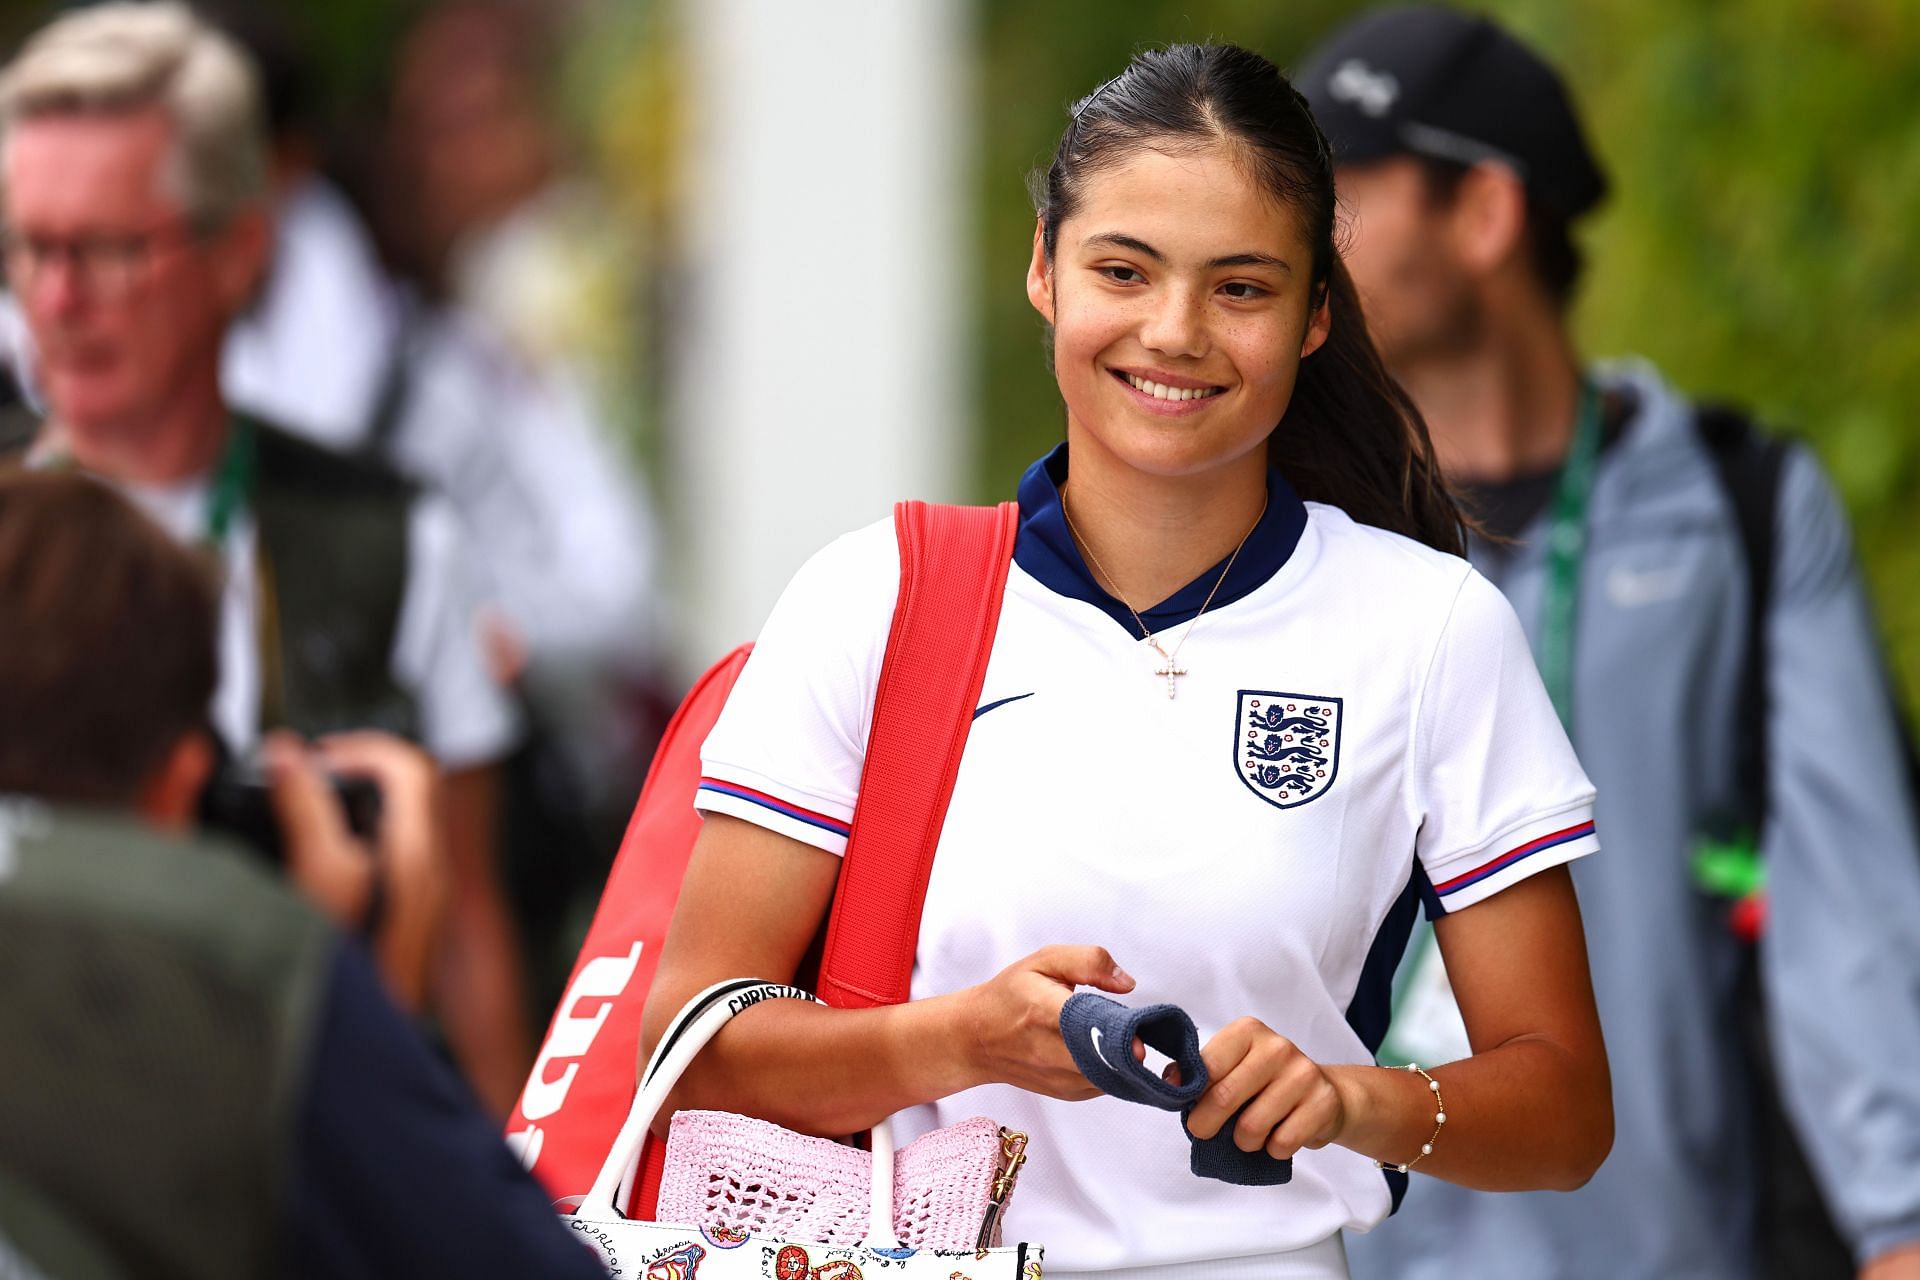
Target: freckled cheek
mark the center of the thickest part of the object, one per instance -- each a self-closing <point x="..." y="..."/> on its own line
<point x="1079" y="348"/>
<point x="1266" y="358"/>
<point x="1087" y="320"/>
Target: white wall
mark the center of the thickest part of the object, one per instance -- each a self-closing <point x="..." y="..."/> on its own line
<point x="823" y="367"/>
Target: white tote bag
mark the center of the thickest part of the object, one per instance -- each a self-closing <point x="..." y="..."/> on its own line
<point x="636" y="1250"/>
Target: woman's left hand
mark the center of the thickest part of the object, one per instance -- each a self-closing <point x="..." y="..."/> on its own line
<point x="1295" y="1104"/>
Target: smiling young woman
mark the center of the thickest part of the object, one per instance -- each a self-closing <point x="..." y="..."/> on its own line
<point x="1248" y="821"/>
<point x="1179" y="324"/>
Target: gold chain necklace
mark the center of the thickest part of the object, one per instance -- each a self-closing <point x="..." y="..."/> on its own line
<point x="1171" y="671"/>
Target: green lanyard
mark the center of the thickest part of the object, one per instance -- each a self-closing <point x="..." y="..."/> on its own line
<point x="1566" y="548"/>
<point x="232" y="483"/>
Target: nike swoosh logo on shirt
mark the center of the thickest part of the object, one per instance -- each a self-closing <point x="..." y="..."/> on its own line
<point x="1633" y="589"/>
<point x="980" y="711"/>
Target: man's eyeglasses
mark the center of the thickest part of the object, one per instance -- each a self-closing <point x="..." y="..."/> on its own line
<point x="102" y="265"/>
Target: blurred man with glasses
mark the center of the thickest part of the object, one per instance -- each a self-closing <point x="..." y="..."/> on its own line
<point x="134" y="168"/>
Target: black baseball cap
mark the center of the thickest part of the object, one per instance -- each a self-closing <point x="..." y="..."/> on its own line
<point x="1433" y="81"/>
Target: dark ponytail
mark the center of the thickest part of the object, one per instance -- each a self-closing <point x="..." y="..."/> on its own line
<point x="1353" y="438"/>
<point x="1350" y="436"/>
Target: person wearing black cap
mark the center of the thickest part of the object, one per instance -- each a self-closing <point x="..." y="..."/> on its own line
<point x="1689" y="593"/>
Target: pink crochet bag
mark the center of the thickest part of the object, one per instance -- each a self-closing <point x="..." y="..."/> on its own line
<point x="748" y="1200"/>
<point x="727" y="1170"/>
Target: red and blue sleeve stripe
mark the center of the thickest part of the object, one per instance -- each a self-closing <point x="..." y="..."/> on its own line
<point x="1511" y="856"/>
<point x="776" y="804"/>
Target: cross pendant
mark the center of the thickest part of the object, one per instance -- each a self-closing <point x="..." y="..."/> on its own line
<point x="1172" y="673"/>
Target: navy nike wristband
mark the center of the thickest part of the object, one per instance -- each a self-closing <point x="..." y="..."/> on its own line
<point x="1100" y="1033"/>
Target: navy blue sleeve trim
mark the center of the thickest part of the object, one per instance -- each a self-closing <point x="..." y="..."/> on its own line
<point x="1372" y="1007"/>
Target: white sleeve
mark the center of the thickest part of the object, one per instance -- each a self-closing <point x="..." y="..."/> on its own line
<point x="562" y="531"/>
<point x="577" y="579"/>
<point x="466" y="718"/>
<point x="1497" y="792"/>
<point x="787" y="751"/>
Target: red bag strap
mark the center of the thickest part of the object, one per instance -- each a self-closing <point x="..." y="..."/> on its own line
<point x="953" y="575"/>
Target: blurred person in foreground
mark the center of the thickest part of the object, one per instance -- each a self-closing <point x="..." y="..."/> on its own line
<point x="202" y="1077"/>
<point x="133" y="180"/>
<point x="1462" y="167"/>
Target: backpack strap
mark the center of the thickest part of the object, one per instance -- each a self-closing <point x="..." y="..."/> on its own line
<point x="953" y="575"/>
<point x="1750" y="464"/>
<point x="335" y="551"/>
<point x="395" y="394"/>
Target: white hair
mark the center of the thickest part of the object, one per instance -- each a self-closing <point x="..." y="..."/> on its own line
<point x="129" y="56"/>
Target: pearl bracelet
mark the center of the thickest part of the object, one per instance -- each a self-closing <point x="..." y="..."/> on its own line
<point x="1439" y="1121"/>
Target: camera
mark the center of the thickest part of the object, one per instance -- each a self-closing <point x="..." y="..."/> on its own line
<point x="238" y="802"/>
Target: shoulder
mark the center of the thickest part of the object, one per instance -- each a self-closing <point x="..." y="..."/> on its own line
<point x="1437" y="602"/>
<point x="1722" y="449"/>
<point x="1410" y="607"/>
<point x="830" y="624"/>
<point x="1479" y="614"/>
<point x="860" y="553"/>
<point x="319" y="218"/>
<point x="1813" y="538"/>
<point x="1679" y="460"/>
<point x="857" y="572"/>
<point x="197" y="895"/>
<point x="828" y="630"/>
<point x="1394" y="571"/>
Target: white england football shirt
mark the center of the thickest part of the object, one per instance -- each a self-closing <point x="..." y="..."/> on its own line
<point x="1361" y="729"/>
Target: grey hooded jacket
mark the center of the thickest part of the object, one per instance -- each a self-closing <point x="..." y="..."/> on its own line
<point x="1658" y="658"/>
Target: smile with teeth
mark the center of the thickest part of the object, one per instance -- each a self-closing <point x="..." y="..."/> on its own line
<point x="1160" y="391"/>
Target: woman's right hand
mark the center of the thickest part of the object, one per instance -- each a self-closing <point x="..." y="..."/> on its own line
<point x="1012" y="1022"/>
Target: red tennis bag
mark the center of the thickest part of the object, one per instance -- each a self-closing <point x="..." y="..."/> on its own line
<point x="953" y="571"/>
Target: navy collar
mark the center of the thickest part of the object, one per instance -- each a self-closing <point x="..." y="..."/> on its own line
<point x="1046" y="550"/>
